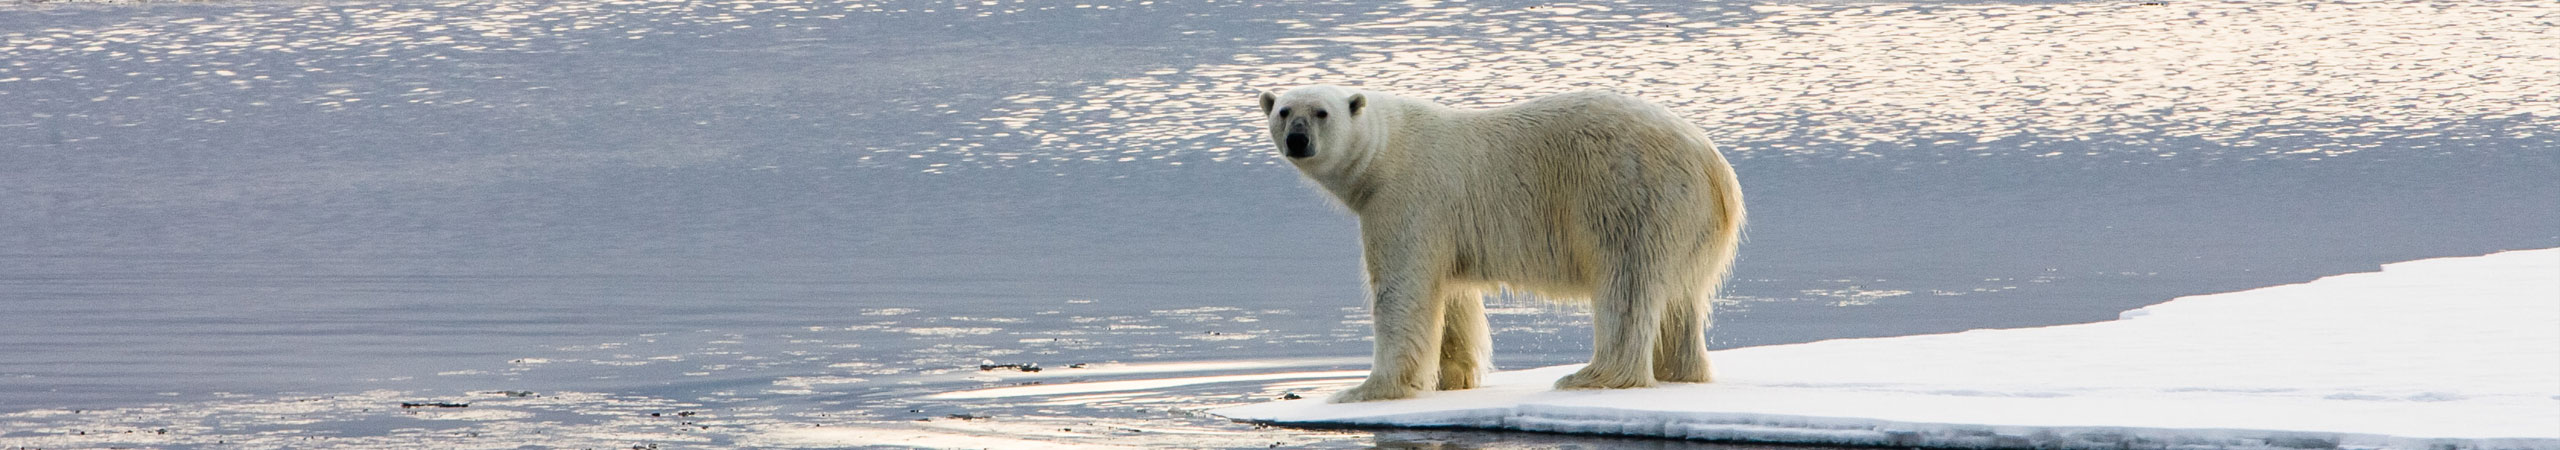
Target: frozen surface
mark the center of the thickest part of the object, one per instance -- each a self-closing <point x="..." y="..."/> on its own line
<point x="2438" y="353"/>
<point x="268" y="224"/>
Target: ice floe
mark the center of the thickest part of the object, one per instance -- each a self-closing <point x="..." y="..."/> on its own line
<point x="2450" y="353"/>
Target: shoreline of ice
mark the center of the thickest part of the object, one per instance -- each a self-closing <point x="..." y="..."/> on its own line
<point x="2447" y="353"/>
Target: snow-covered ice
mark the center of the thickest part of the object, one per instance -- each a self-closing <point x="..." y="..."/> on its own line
<point x="2450" y="353"/>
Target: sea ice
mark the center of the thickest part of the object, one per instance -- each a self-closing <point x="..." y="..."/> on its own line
<point x="2450" y="353"/>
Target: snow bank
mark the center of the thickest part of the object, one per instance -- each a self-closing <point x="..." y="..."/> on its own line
<point x="2452" y="353"/>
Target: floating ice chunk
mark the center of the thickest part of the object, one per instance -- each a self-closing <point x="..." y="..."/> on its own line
<point x="2442" y="353"/>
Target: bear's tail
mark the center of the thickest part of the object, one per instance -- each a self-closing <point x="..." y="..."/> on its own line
<point x="1726" y="239"/>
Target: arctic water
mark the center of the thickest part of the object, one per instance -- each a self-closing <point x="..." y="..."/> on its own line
<point x="633" y="223"/>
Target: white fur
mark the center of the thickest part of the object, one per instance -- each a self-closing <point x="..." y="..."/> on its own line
<point x="1587" y="196"/>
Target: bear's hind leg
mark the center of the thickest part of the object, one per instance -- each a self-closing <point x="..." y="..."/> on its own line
<point x="1681" y="354"/>
<point x="1626" y="320"/>
<point x="1466" y="346"/>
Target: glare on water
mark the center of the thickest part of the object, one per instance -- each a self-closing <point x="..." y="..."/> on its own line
<point x="784" y="223"/>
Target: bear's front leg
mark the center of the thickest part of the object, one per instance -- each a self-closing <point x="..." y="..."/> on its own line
<point x="1406" y="314"/>
<point x="1466" y="343"/>
<point x="1407" y="352"/>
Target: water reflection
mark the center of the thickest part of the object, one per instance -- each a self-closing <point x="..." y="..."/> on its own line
<point x="2104" y="80"/>
<point x="524" y="138"/>
<point x="2092" y="80"/>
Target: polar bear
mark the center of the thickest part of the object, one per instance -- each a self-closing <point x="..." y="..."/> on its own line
<point x="1587" y="196"/>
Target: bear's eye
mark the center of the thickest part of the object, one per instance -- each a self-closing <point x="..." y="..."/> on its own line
<point x="1284" y="113"/>
<point x="1320" y="114"/>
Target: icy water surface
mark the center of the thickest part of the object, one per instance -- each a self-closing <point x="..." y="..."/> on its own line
<point x="619" y="224"/>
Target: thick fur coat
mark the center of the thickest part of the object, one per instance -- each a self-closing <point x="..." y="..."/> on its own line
<point x="1587" y="196"/>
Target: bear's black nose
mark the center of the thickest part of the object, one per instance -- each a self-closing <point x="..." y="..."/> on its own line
<point x="1297" y="144"/>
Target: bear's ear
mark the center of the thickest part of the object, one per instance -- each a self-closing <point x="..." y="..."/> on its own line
<point x="1267" y="100"/>
<point x="1358" y="101"/>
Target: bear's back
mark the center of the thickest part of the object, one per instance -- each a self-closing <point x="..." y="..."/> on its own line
<point x="1595" y="132"/>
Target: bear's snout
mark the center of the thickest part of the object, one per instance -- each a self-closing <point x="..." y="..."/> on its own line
<point x="1297" y="144"/>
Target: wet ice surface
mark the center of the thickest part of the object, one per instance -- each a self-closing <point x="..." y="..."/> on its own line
<point x="2437" y="353"/>
<point x="274" y="223"/>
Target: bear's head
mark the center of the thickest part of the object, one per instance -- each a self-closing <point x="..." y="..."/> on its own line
<point x="1313" y="123"/>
